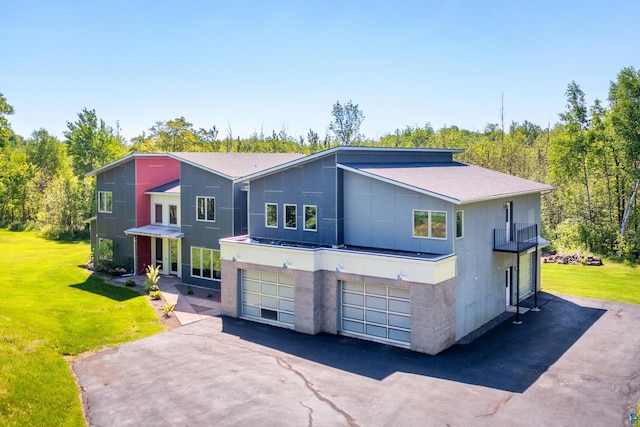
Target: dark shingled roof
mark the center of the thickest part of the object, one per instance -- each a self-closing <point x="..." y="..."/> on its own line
<point x="457" y="182"/>
<point x="236" y="165"/>
<point x="172" y="187"/>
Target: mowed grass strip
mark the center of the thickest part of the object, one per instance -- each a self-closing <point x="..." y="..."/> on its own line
<point x="53" y="310"/>
<point x="612" y="281"/>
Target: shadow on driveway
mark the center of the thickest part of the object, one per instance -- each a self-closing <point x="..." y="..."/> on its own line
<point x="508" y="357"/>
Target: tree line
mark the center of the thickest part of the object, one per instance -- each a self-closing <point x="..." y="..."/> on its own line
<point x="591" y="156"/>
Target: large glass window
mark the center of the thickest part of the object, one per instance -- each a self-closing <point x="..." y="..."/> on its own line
<point x="205" y="263"/>
<point x="105" y="249"/>
<point x="173" y="214"/>
<point x="206" y="208"/>
<point x="158" y="209"/>
<point x="459" y="224"/>
<point x="310" y="217"/>
<point x="430" y="224"/>
<point x="105" y="201"/>
<point x="290" y="212"/>
<point x="271" y="215"/>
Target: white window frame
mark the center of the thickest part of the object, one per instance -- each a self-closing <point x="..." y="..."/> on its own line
<point x="461" y="212"/>
<point x="304" y="222"/>
<point x="429" y="225"/>
<point x="100" y="240"/>
<point x="266" y="215"/>
<point x="176" y="208"/>
<point x="295" y="216"/>
<point x="102" y="202"/>
<point x="206" y="199"/>
<point x="155" y="213"/>
<point x="213" y="270"/>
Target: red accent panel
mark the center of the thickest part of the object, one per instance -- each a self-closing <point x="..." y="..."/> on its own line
<point x="152" y="172"/>
<point x="144" y="253"/>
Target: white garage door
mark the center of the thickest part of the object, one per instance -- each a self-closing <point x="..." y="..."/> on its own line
<point x="380" y="313"/>
<point x="268" y="297"/>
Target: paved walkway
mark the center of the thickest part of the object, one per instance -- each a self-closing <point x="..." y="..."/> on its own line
<point x="189" y="308"/>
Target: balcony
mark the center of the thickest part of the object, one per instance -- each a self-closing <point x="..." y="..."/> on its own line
<point x="519" y="238"/>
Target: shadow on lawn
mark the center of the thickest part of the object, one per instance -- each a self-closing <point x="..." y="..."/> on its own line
<point x="97" y="285"/>
<point x="509" y="357"/>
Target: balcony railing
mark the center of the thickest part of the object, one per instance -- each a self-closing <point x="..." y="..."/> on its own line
<point x="517" y="239"/>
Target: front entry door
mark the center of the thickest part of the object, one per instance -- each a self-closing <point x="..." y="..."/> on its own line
<point x="158" y="256"/>
<point x="507" y="285"/>
<point x="173" y="257"/>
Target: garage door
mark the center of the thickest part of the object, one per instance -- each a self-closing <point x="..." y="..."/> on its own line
<point x="380" y="313"/>
<point x="268" y="297"/>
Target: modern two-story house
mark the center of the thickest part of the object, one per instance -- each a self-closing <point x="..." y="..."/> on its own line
<point x="402" y="246"/>
<point x="170" y="210"/>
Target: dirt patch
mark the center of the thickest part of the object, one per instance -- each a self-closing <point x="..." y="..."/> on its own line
<point x="169" y="322"/>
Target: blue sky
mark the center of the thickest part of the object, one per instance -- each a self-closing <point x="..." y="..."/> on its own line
<point x="247" y="66"/>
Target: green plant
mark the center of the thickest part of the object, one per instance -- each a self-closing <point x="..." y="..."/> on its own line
<point x="155" y="294"/>
<point x="130" y="282"/>
<point x="153" y="275"/>
<point x="189" y="291"/>
<point x="209" y="295"/>
<point x="167" y="308"/>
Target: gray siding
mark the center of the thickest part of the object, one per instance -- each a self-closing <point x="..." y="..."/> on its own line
<point x="380" y="215"/>
<point x="480" y="289"/>
<point x="121" y="182"/>
<point x="196" y="182"/>
<point x="312" y="183"/>
<point x="397" y="157"/>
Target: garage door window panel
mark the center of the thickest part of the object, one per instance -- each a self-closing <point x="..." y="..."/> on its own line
<point x="268" y="297"/>
<point x="381" y="313"/>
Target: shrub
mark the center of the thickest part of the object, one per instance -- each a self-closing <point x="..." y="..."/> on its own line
<point x="189" y="291"/>
<point x="155" y="294"/>
<point x="153" y="275"/>
<point x="130" y="282"/>
<point x="209" y="295"/>
<point x="168" y="308"/>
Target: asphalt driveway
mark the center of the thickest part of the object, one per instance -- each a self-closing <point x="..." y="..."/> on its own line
<point x="576" y="362"/>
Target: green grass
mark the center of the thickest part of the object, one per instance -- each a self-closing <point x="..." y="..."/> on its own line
<point x="51" y="311"/>
<point x="612" y="281"/>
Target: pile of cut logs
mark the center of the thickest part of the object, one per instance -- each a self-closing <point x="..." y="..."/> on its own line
<point x="571" y="259"/>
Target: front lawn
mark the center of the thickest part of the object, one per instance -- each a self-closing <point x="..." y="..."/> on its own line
<point x="53" y="310"/>
<point x="613" y="282"/>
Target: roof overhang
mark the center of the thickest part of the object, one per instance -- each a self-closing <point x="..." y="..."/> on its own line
<point x="154" y="230"/>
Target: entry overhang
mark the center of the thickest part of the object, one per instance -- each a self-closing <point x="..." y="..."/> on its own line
<point x="153" y="230"/>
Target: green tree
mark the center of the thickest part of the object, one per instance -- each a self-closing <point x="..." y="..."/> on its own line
<point x="346" y="122"/>
<point x="577" y="147"/>
<point x="624" y="97"/>
<point x="91" y="143"/>
<point x="5" y="127"/>
<point x="15" y="174"/>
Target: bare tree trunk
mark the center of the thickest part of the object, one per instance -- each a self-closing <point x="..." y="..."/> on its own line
<point x="627" y="210"/>
<point x="586" y="185"/>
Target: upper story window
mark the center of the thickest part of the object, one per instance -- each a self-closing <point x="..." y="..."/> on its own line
<point x="459" y="224"/>
<point x="310" y="217"/>
<point x="271" y="215"/>
<point x="430" y="224"/>
<point x="105" y="201"/>
<point x="206" y="208"/>
<point x="290" y="216"/>
<point x="173" y="214"/>
<point x="158" y="213"/>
